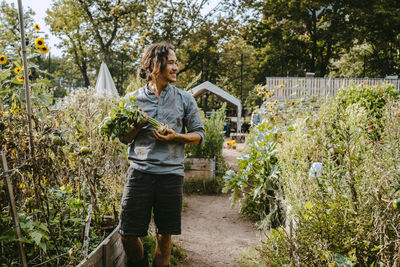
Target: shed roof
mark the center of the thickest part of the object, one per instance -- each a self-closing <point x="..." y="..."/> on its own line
<point x="207" y="86"/>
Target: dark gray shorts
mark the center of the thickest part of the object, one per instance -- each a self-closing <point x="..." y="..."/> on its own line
<point x="145" y="193"/>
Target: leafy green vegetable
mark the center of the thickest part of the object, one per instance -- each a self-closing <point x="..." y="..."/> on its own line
<point x="118" y="123"/>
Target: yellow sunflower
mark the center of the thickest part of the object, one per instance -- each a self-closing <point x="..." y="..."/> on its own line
<point x="39" y="42"/>
<point x="259" y="94"/>
<point x="294" y="102"/>
<point x="281" y="86"/>
<point x="44" y="49"/>
<point x="3" y="59"/>
<point x="17" y="70"/>
<point x="20" y="78"/>
<point x="36" y="26"/>
<point x="276" y="101"/>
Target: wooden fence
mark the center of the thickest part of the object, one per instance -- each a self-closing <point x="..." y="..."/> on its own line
<point x="300" y="87"/>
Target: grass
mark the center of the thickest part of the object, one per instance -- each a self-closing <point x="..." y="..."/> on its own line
<point x="203" y="186"/>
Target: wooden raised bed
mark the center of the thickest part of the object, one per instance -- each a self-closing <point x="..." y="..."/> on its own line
<point x="109" y="253"/>
<point x="199" y="168"/>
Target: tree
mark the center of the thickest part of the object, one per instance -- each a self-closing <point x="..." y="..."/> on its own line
<point x="292" y="36"/>
<point x="93" y="31"/>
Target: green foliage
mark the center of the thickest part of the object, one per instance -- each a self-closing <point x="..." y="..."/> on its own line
<point x="213" y="143"/>
<point x="177" y="254"/>
<point x="257" y="182"/>
<point x="73" y="167"/>
<point x="203" y="186"/>
<point x="118" y="123"/>
<point x="344" y="216"/>
<point x="373" y="99"/>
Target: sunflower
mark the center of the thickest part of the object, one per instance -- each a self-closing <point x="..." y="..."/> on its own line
<point x="43" y="49"/>
<point x="259" y="94"/>
<point x="39" y="42"/>
<point x="281" y="86"/>
<point x="294" y="102"/>
<point x="20" y="78"/>
<point x="3" y="59"/>
<point x="276" y="101"/>
<point x="36" y="26"/>
<point x="17" y="70"/>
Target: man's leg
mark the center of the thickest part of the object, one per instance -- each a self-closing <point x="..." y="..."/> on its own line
<point x="162" y="253"/>
<point x="133" y="248"/>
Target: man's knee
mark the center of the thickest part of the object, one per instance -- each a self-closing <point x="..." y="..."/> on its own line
<point x="129" y="239"/>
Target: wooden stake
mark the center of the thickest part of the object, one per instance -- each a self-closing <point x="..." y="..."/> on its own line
<point x="14" y="210"/>
<point x="26" y="77"/>
<point x="86" y="238"/>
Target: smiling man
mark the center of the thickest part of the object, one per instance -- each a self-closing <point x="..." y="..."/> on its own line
<point x="155" y="177"/>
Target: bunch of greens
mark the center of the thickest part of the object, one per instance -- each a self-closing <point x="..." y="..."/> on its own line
<point x="118" y="123"/>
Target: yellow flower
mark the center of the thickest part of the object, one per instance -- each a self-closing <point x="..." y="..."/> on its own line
<point x="20" y="78"/>
<point x="17" y="70"/>
<point x="287" y="101"/>
<point x="365" y="83"/>
<point x="259" y="94"/>
<point x="43" y="49"/>
<point x="276" y="101"/>
<point x="294" y="102"/>
<point x="266" y="91"/>
<point x="281" y="86"/>
<point x="39" y="42"/>
<point x="3" y="59"/>
<point x="36" y="26"/>
<point x="258" y="90"/>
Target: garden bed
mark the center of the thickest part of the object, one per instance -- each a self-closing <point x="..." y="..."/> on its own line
<point x="109" y="253"/>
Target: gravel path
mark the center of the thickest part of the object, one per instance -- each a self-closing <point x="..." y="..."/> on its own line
<point x="214" y="233"/>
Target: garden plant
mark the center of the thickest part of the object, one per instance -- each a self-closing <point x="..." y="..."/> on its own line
<point x="347" y="213"/>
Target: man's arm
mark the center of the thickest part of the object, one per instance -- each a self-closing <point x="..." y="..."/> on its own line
<point x="187" y="138"/>
<point x="135" y="129"/>
<point x="131" y="135"/>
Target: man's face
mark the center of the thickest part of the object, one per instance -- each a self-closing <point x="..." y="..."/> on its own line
<point x="171" y="68"/>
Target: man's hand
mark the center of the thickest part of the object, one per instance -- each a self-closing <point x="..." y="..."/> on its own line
<point x="188" y="138"/>
<point x="170" y="136"/>
<point x="135" y="128"/>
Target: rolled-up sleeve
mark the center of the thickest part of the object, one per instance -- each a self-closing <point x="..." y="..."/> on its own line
<point x="192" y="120"/>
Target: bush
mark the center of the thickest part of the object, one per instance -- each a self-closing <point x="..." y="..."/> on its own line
<point x="214" y="141"/>
<point x="346" y="215"/>
<point x="73" y="167"/>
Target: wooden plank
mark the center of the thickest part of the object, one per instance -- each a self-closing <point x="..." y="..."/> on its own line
<point x="198" y="174"/>
<point x="197" y="164"/>
<point x="101" y="256"/>
<point x="296" y="88"/>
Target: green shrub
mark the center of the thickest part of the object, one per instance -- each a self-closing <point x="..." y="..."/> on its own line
<point x="214" y="141"/>
<point x="257" y="185"/>
<point x="372" y="98"/>
<point x="345" y="216"/>
<point x="203" y="186"/>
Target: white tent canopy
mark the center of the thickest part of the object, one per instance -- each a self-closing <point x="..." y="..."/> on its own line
<point x="207" y="86"/>
<point x="105" y="85"/>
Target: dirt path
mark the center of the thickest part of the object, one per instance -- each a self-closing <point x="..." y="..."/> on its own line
<point x="214" y="233"/>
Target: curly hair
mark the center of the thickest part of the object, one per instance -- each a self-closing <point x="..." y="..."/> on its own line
<point x="154" y="60"/>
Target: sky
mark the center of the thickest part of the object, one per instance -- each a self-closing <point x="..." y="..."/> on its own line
<point x="40" y="7"/>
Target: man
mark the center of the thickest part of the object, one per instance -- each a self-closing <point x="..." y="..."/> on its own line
<point x="155" y="178"/>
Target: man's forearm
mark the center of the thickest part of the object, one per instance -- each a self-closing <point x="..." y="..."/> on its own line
<point x="131" y="135"/>
<point x="188" y="138"/>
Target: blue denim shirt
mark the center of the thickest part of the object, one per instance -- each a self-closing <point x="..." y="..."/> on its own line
<point x="179" y="111"/>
